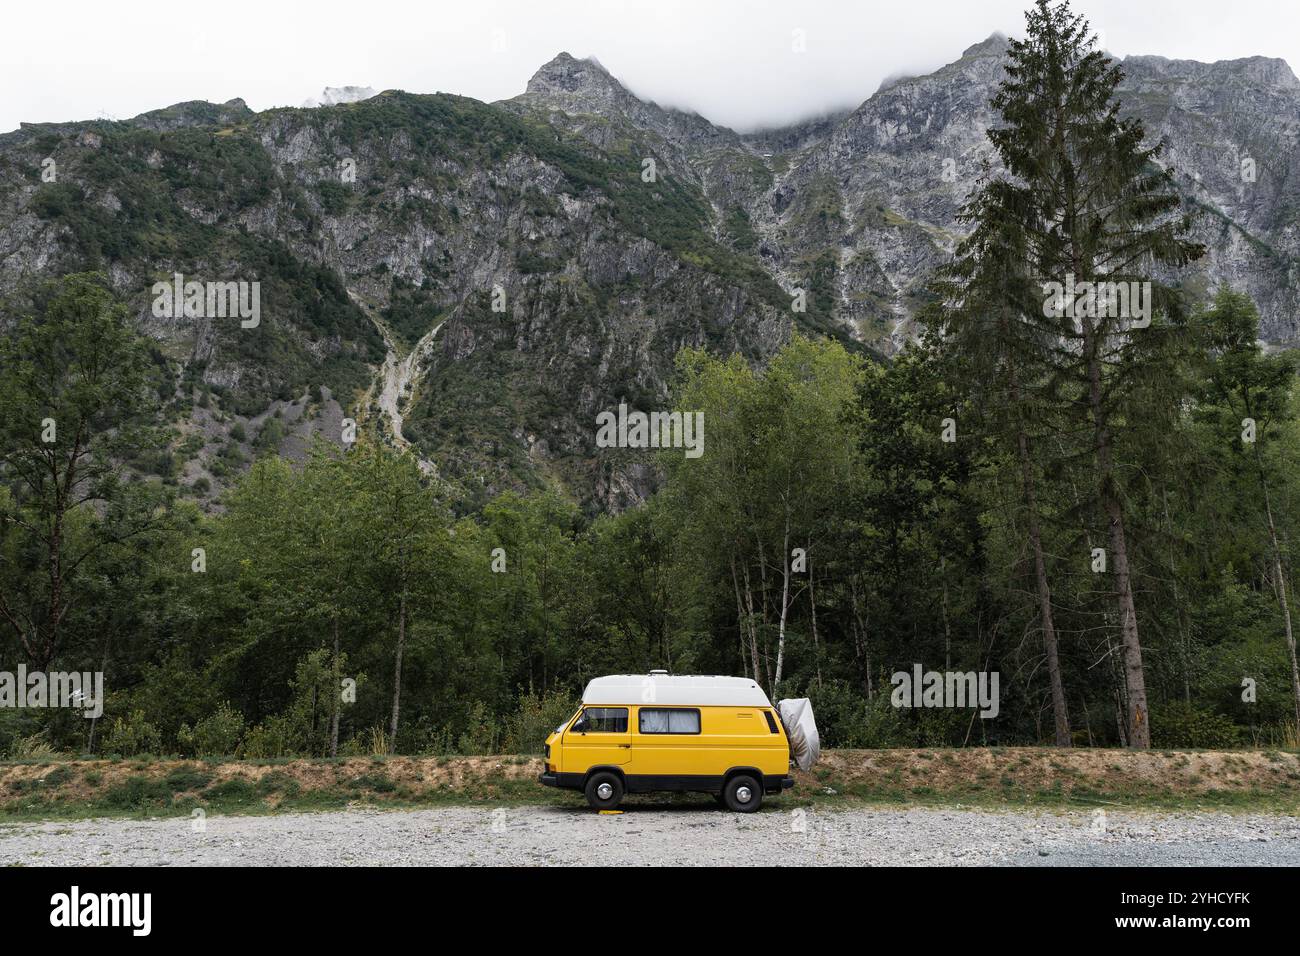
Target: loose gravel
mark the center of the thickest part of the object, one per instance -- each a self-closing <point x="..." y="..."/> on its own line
<point x="663" y="835"/>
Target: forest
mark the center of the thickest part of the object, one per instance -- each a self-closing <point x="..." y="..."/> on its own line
<point x="1096" y="503"/>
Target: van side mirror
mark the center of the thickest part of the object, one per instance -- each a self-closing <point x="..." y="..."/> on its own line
<point x="580" y="725"/>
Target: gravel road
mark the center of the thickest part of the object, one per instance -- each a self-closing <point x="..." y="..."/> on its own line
<point x="673" y="835"/>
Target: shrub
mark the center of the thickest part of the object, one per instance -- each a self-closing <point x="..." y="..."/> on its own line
<point x="847" y="719"/>
<point x="216" y="735"/>
<point x="31" y="747"/>
<point x="231" y="792"/>
<point x="133" y="735"/>
<point x="536" y="717"/>
<point x="273" y="737"/>
<point x="183" y="779"/>
<point x="369" y="743"/>
<point x="137" y="793"/>
<point x="269" y="438"/>
<point x="377" y="782"/>
<point x="1179" y="724"/>
<point x="481" y="734"/>
<point x="57" y="776"/>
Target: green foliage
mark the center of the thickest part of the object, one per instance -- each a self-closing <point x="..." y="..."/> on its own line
<point x="133" y="735"/>
<point x="269" y="437"/>
<point x="322" y="575"/>
<point x="138" y="793"/>
<point x="1179" y="724"/>
<point x="847" y="718"/>
<point x="537" y="717"/>
<point x="216" y="735"/>
<point x="481" y="734"/>
<point x="276" y="736"/>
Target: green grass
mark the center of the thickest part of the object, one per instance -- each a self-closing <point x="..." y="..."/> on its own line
<point x="141" y="798"/>
<point x="995" y="779"/>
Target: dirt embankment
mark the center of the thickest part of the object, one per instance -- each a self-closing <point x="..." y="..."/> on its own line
<point x="1046" y="775"/>
<point x="988" y="777"/>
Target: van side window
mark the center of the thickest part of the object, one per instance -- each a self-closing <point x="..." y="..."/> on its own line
<point x="605" y="720"/>
<point x="654" y="720"/>
<point x="771" y="723"/>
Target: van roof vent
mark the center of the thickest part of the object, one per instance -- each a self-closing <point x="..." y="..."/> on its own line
<point x="658" y="671"/>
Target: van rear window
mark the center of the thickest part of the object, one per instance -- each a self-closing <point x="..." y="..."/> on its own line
<point x="771" y="722"/>
<point x="654" y="720"/>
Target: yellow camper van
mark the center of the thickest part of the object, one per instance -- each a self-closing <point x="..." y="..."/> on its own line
<point x="642" y="733"/>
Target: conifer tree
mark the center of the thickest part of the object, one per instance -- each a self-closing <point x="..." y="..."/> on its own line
<point x="987" y="318"/>
<point x="1255" y="391"/>
<point x="1091" y="212"/>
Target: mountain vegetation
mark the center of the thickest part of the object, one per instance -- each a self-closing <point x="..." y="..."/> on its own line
<point x="233" y="526"/>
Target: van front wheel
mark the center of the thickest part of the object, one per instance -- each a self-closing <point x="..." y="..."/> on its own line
<point x="742" y="794"/>
<point x="604" y="791"/>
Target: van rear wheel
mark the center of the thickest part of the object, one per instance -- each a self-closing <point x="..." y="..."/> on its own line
<point x="742" y="794"/>
<point x="604" y="790"/>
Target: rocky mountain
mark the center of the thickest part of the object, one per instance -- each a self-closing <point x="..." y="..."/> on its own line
<point x="479" y="280"/>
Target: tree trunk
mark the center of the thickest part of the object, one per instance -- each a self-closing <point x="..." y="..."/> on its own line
<point x="397" y="671"/>
<point x="1060" y="715"/>
<point x="762" y="580"/>
<point x="1182" y="612"/>
<point x="335" y="694"/>
<point x="742" y="623"/>
<point x="1280" y="577"/>
<point x="812" y="600"/>
<point x="785" y="602"/>
<point x="1139" y="726"/>
<point x="752" y="623"/>
<point x="860" y="637"/>
<point x="103" y="669"/>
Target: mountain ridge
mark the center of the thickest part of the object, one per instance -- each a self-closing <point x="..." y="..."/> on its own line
<point x="611" y="230"/>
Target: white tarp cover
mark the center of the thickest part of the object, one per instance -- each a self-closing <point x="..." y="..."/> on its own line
<point x="805" y="744"/>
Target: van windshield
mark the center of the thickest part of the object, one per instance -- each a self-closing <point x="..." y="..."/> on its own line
<point x="560" y="729"/>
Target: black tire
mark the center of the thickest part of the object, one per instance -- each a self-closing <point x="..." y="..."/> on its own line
<point x="736" y="788"/>
<point x="600" y="780"/>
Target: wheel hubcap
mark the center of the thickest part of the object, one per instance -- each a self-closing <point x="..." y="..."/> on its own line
<point x="744" y="794"/>
<point x="604" y="791"/>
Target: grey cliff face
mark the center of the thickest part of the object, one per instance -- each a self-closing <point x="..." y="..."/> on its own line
<point x="478" y="281"/>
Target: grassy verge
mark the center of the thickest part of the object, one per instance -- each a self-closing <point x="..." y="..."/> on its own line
<point x="1008" y="778"/>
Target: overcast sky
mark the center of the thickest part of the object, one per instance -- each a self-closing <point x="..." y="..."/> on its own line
<point x="733" y="61"/>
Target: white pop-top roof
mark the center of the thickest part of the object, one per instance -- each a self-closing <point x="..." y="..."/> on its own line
<point x="679" y="690"/>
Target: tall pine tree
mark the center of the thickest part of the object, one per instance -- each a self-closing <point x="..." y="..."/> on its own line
<point x="1087" y="205"/>
<point x="989" y="320"/>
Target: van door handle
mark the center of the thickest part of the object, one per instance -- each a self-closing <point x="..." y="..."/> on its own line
<point x="626" y="746"/>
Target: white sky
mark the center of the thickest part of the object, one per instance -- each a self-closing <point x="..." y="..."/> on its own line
<point x="730" y="60"/>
